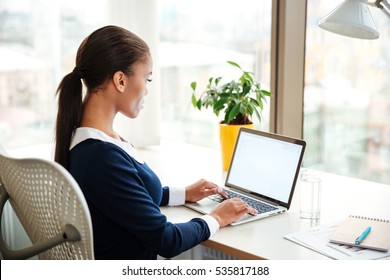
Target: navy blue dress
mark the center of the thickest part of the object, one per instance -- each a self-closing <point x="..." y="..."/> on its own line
<point x="123" y="197"/>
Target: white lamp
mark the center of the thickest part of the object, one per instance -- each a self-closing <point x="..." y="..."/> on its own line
<point x="352" y="18"/>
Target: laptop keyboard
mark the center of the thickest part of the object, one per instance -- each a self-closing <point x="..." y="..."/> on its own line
<point x="261" y="207"/>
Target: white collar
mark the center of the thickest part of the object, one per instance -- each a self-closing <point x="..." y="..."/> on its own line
<point x="83" y="133"/>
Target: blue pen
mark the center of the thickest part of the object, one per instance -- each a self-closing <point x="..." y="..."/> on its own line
<point x="362" y="236"/>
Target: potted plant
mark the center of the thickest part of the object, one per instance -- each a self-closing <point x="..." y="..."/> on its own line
<point x="239" y="100"/>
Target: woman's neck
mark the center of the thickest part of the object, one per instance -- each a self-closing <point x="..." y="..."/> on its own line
<point x="99" y="113"/>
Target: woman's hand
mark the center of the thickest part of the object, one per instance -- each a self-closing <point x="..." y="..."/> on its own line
<point x="202" y="189"/>
<point x="226" y="212"/>
<point x="230" y="210"/>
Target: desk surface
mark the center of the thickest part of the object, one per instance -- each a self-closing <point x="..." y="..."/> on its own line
<point x="179" y="165"/>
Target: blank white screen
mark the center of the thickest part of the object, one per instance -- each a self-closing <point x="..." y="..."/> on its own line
<point x="265" y="166"/>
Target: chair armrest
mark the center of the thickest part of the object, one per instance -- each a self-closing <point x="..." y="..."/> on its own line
<point x="69" y="234"/>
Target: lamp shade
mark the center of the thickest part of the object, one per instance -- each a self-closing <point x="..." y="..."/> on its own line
<point x="351" y="18"/>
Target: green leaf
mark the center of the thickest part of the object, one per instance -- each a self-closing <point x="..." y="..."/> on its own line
<point x="258" y="114"/>
<point x="193" y="100"/>
<point x="265" y="92"/>
<point x="243" y="108"/>
<point x="234" y="112"/>
<point x="225" y="95"/>
<point x="255" y="102"/>
<point x="234" y="64"/>
<point x="199" y="104"/>
<point x="250" y="110"/>
<point x="227" y="111"/>
<point x="258" y="95"/>
<point x="246" y="87"/>
<point x="193" y="86"/>
<point x="248" y="76"/>
<point x="207" y="101"/>
<point x="261" y="105"/>
<point x="220" y="104"/>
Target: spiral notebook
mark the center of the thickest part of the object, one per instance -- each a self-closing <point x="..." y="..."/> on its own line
<point x="354" y="226"/>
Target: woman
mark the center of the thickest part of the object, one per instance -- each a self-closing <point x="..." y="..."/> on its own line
<point x="122" y="192"/>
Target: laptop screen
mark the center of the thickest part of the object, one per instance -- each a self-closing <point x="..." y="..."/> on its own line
<point x="266" y="164"/>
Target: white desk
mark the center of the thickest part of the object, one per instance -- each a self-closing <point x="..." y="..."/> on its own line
<point x="180" y="165"/>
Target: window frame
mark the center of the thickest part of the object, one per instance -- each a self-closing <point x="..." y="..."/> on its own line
<point x="288" y="67"/>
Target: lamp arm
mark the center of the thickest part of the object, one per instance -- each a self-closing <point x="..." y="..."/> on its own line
<point x="384" y="6"/>
<point x="387" y="13"/>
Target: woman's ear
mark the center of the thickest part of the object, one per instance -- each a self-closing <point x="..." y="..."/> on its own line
<point x="119" y="81"/>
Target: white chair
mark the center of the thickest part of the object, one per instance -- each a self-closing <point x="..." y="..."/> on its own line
<point x="50" y="206"/>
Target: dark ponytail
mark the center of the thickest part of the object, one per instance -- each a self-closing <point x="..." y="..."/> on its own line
<point x="69" y="115"/>
<point x="104" y="52"/>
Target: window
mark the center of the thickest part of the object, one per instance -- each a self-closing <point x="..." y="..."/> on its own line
<point x="347" y="99"/>
<point x="38" y="42"/>
<point x="196" y="40"/>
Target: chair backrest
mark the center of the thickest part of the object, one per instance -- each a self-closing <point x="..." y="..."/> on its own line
<point x="50" y="206"/>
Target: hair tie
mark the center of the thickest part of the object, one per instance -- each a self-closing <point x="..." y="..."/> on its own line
<point x="78" y="72"/>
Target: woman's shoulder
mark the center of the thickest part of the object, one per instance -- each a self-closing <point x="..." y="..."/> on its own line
<point x="100" y="158"/>
<point x="82" y="134"/>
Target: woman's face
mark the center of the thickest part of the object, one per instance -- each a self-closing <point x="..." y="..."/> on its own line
<point x="131" y="101"/>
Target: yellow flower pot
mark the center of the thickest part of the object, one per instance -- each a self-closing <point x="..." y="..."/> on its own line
<point x="228" y="136"/>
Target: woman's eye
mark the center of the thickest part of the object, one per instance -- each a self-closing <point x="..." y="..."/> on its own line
<point x="149" y="80"/>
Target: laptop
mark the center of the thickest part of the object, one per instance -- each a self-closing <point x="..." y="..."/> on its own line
<point x="263" y="171"/>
